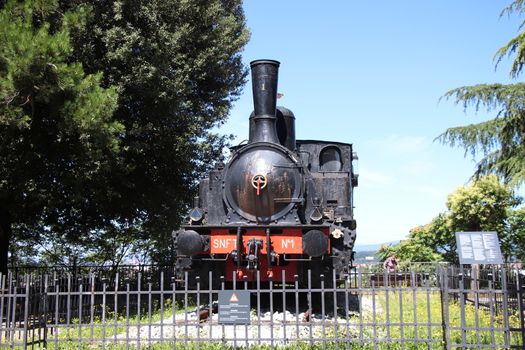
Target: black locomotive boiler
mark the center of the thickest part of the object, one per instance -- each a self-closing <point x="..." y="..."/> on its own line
<point x="278" y="204"/>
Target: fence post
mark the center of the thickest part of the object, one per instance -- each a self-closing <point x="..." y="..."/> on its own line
<point x="444" y="307"/>
<point x="506" y="327"/>
<point x="26" y="312"/>
<point x="3" y="295"/>
<point x="11" y="308"/>
<point x="521" y="307"/>
<point x="463" y="296"/>
<point x="44" y="311"/>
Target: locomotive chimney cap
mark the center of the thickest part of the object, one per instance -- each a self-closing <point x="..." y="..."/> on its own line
<point x="264" y="61"/>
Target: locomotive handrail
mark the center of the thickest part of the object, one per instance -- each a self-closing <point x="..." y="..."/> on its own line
<point x="213" y="258"/>
<point x="291" y="166"/>
<point x="268" y="249"/>
<point x="288" y="200"/>
<point x="239" y="247"/>
<point x="299" y="259"/>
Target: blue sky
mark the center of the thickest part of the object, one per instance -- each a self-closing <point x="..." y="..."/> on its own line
<point x="372" y="73"/>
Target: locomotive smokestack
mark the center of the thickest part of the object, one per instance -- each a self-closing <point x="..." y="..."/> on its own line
<point x="264" y="85"/>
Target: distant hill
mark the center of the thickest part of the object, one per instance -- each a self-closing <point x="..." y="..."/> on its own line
<point x="371" y="247"/>
<point x="367" y="257"/>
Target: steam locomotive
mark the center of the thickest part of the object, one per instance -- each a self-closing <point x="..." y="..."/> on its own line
<point x="278" y="204"/>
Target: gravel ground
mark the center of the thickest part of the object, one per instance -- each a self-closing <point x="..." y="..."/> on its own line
<point x="287" y="328"/>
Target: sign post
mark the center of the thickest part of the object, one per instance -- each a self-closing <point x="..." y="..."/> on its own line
<point x="478" y="248"/>
<point x="234" y="307"/>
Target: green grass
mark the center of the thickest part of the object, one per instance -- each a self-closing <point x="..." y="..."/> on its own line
<point x="414" y="320"/>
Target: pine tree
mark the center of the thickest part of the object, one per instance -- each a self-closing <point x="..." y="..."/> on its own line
<point x="500" y="141"/>
<point x="57" y="135"/>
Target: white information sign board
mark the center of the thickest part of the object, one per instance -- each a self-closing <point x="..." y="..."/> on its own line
<point x="478" y="248"/>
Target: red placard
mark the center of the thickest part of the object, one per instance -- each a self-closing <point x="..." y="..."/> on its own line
<point x="287" y="242"/>
<point x="224" y="244"/>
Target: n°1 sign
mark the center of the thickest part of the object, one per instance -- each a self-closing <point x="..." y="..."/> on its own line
<point x="478" y="248"/>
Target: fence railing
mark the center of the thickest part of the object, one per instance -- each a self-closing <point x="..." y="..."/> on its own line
<point x="434" y="307"/>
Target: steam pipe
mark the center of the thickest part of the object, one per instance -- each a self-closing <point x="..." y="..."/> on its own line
<point x="264" y="86"/>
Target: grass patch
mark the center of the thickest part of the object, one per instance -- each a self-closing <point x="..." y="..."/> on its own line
<point x="414" y="319"/>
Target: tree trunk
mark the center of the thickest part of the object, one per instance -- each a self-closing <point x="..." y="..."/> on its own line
<point x="5" y="236"/>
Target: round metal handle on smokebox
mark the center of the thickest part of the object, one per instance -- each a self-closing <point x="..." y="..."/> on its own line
<point x="259" y="182"/>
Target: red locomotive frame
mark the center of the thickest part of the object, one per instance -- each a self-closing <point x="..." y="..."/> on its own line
<point x="289" y="243"/>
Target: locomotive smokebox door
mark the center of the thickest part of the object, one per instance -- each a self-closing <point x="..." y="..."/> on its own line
<point x="263" y="183"/>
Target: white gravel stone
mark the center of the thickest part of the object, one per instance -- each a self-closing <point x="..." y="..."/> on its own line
<point x="287" y="328"/>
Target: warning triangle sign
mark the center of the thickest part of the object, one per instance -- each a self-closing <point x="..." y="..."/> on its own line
<point x="234" y="298"/>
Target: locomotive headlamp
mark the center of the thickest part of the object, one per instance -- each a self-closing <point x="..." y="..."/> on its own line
<point x="316" y="215"/>
<point x="196" y="214"/>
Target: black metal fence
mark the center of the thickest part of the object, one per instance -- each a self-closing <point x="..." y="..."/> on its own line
<point x="427" y="306"/>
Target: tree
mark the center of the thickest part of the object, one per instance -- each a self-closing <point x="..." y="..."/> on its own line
<point x="57" y="137"/>
<point x="515" y="241"/>
<point x="500" y="140"/>
<point x="177" y="68"/>
<point x="484" y="205"/>
<point x="409" y="250"/>
<point x="423" y="244"/>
